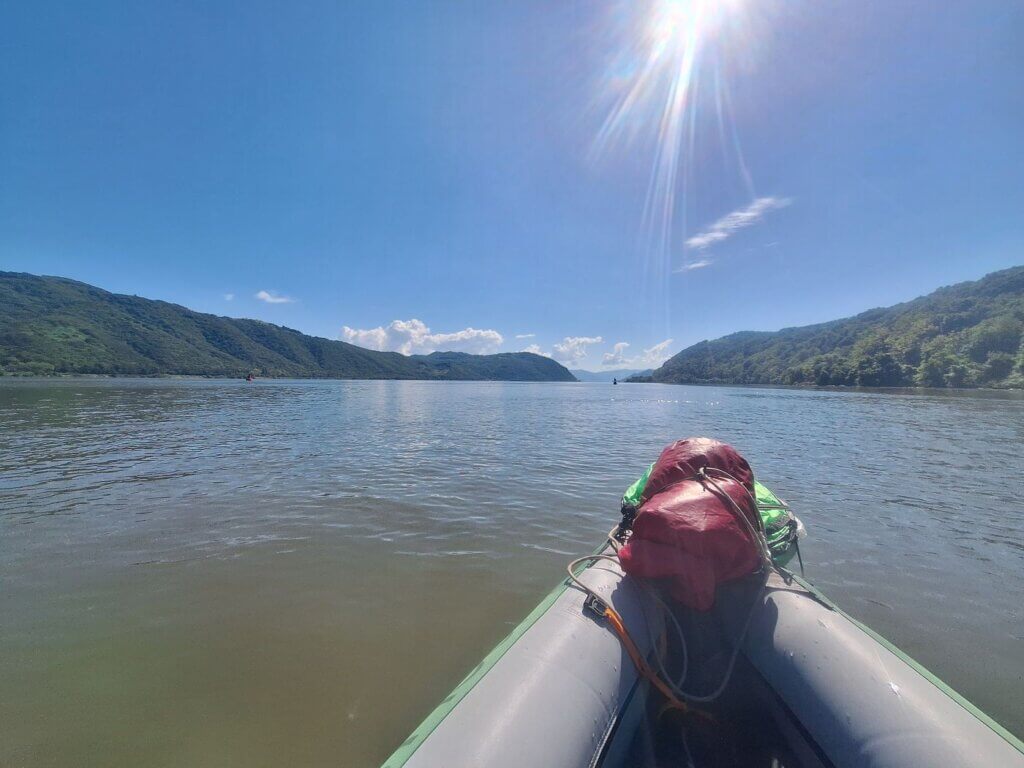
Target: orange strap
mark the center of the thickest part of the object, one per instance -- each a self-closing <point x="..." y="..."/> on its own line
<point x="674" y="702"/>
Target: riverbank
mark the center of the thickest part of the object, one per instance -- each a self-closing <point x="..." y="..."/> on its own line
<point x="784" y="387"/>
<point x="822" y="388"/>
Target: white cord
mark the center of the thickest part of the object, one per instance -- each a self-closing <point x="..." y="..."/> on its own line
<point x="757" y="534"/>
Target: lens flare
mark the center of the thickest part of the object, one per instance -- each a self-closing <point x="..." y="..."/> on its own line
<point x="660" y="50"/>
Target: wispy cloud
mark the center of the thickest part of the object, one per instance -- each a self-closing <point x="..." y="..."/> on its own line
<point x="525" y="335"/>
<point x="273" y="298"/>
<point x="726" y="226"/>
<point x="229" y="297"/>
<point x="699" y="264"/>
<point x="648" y="358"/>
<point x="657" y="354"/>
<point x="535" y="349"/>
<point x="414" y="337"/>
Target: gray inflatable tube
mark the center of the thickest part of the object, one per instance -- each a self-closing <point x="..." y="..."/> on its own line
<point x="561" y="691"/>
<point x="864" y="702"/>
<point x="554" y="696"/>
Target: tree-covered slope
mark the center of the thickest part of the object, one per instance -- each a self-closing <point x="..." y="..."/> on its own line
<point x="504" y="366"/>
<point x="50" y="325"/>
<point x="965" y="335"/>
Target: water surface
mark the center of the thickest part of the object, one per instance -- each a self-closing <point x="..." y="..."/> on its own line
<point x="215" y="573"/>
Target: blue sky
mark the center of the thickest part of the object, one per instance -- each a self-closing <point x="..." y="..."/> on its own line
<point x="461" y="165"/>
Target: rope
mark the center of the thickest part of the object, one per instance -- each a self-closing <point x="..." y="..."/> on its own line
<point x="675" y="696"/>
<point x="672" y="701"/>
<point x="760" y="535"/>
<point x="673" y="693"/>
<point x="619" y="627"/>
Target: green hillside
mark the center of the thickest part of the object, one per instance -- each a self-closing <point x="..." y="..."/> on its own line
<point x="965" y="335"/>
<point x="50" y="325"/>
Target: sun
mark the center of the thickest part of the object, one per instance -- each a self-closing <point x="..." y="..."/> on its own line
<point x="663" y="47"/>
<point x="676" y="24"/>
<point x="661" y="54"/>
<point x="660" y="49"/>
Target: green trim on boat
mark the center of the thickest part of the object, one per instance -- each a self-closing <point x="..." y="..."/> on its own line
<point x="435" y="718"/>
<point x="927" y="674"/>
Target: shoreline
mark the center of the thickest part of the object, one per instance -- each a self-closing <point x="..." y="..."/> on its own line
<point x="211" y="377"/>
<point x="800" y="387"/>
<point x="827" y="387"/>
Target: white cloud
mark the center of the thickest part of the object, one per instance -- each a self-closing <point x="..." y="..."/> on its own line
<point x="535" y="349"/>
<point x="699" y="264"/>
<point x="525" y="335"/>
<point x="654" y="356"/>
<point x="412" y="337"/>
<point x="731" y="222"/>
<point x="272" y="298"/>
<point x="371" y="338"/>
<point x="229" y="297"/>
<point x="651" y="357"/>
<point x="617" y="356"/>
<point x="572" y="349"/>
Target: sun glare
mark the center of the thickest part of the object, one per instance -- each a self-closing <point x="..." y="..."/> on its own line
<point x="685" y="22"/>
<point x="659" y="52"/>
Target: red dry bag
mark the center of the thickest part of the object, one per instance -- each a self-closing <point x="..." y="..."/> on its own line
<point x="688" y="529"/>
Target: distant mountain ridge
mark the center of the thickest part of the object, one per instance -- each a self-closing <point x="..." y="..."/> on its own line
<point x="965" y="335"/>
<point x="52" y="325"/>
<point x="618" y="373"/>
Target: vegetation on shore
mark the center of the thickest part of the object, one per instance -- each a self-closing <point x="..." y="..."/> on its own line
<point x="965" y="335"/>
<point x="53" y="326"/>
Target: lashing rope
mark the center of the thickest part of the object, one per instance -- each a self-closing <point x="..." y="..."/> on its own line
<point x="676" y="698"/>
<point x="604" y="610"/>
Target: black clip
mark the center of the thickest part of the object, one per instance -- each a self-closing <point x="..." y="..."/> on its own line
<point x="595" y="605"/>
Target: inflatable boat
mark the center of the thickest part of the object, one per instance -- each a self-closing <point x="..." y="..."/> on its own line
<point x="607" y="671"/>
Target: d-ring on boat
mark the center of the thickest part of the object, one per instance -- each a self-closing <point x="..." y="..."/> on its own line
<point x="654" y="652"/>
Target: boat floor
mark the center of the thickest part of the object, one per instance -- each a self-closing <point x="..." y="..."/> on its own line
<point x="748" y="726"/>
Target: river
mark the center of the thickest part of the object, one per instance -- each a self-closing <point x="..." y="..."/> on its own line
<point x="216" y="573"/>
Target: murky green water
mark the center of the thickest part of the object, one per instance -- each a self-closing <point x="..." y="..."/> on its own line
<point x="293" y="573"/>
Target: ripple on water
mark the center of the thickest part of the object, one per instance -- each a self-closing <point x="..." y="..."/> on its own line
<point x="147" y="518"/>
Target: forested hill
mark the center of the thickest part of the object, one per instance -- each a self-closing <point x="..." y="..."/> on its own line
<point x="965" y="335"/>
<point x="50" y="325"/>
